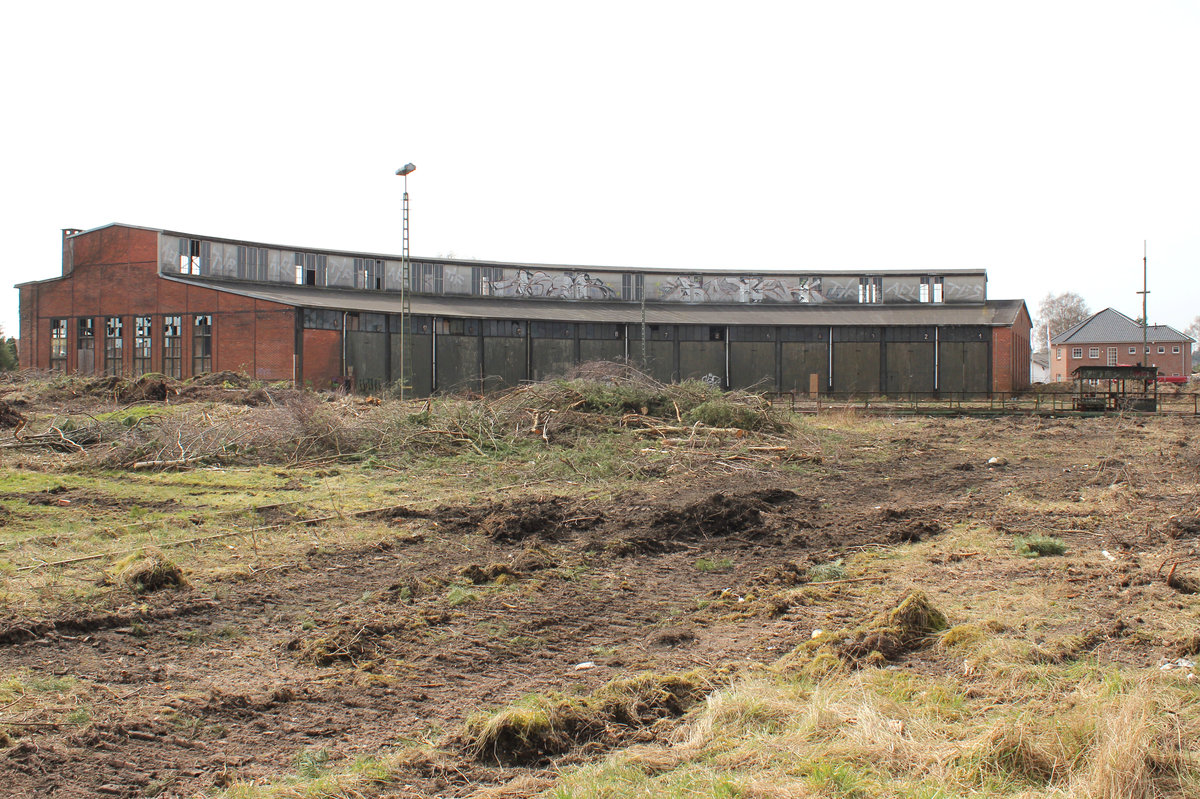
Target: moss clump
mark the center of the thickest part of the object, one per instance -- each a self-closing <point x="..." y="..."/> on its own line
<point x="961" y="635"/>
<point x="496" y="572"/>
<point x="544" y="725"/>
<point x="149" y="570"/>
<point x="907" y="626"/>
<point x="1040" y="546"/>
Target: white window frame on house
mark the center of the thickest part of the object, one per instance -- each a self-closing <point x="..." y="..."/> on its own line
<point x="1162" y="350"/>
<point x="1133" y="350"/>
<point x="1112" y="356"/>
<point x="1094" y="353"/>
<point x="1058" y="354"/>
<point x="1077" y="353"/>
<point x="1175" y="350"/>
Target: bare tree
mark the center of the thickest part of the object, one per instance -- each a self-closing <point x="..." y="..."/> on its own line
<point x="1193" y="329"/>
<point x="1057" y="313"/>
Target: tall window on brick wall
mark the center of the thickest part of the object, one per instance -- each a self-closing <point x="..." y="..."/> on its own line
<point x="58" y="344"/>
<point x="368" y="273"/>
<point x="310" y="269"/>
<point x="142" y="345"/>
<point x="194" y="256"/>
<point x="252" y="263"/>
<point x="1112" y="356"/>
<point x="932" y="289"/>
<point x="86" y="346"/>
<point x="172" y="347"/>
<point x="114" y="346"/>
<point x="870" y="289"/>
<point x="201" y="344"/>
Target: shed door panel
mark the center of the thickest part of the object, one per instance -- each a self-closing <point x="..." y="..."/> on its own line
<point x="419" y="362"/>
<point x="702" y="359"/>
<point x="801" y="359"/>
<point x="457" y="364"/>
<point x="856" y="367"/>
<point x="752" y="365"/>
<point x="963" y="367"/>
<point x="601" y="350"/>
<point x="552" y="357"/>
<point x="503" y="362"/>
<point x="910" y="367"/>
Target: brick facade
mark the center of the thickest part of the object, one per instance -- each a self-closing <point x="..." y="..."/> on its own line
<point x="268" y="326"/>
<point x="1063" y="360"/>
<point x="1010" y="355"/>
<point x="113" y="273"/>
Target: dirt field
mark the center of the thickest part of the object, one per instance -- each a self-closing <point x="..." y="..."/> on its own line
<point x="328" y="638"/>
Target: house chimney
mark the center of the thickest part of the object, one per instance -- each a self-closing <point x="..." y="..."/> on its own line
<point x="68" y="254"/>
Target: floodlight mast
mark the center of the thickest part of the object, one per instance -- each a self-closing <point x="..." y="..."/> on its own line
<point x="405" y="279"/>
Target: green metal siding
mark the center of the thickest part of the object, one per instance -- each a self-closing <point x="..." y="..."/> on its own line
<point x="457" y="364"/>
<point x="910" y="367"/>
<point x="699" y="359"/>
<point x="551" y="357"/>
<point x="801" y="359"/>
<point x="503" y="362"/>
<point x="752" y="364"/>
<point x="856" y="367"/>
<point x="963" y="367"/>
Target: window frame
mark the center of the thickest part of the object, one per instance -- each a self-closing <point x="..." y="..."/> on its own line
<point x="202" y="344"/>
<point x="172" y="345"/>
<point x="143" y="345"/>
<point x="114" y="346"/>
<point x="1077" y="353"/>
<point x="58" y="343"/>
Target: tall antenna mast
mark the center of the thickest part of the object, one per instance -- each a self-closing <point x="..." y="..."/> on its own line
<point x="1145" y="320"/>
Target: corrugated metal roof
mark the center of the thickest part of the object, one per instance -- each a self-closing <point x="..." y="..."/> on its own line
<point x="1113" y="327"/>
<point x="991" y="313"/>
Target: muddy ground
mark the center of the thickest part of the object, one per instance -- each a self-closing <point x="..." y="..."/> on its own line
<point x="465" y="608"/>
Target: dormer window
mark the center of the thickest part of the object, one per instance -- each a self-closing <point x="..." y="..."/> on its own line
<point x="193" y="256"/>
<point x="932" y="289"/>
<point x="870" y="289"/>
<point x="368" y="273"/>
<point x="310" y="269"/>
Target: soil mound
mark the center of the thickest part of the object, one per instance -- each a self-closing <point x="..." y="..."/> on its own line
<point x="545" y="725"/>
<point x="224" y="379"/>
<point x="717" y="515"/>
<point x="543" y="517"/>
<point x="149" y="571"/>
<point x="145" y="389"/>
<point x="9" y="416"/>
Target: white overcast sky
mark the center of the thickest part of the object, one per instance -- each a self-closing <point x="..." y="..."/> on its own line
<point x="1043" y="141"/>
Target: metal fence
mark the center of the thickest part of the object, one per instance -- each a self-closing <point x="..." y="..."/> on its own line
<point x="1000" y="403"/>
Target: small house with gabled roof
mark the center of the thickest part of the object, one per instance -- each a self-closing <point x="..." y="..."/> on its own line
<point x="1110" y="338"/>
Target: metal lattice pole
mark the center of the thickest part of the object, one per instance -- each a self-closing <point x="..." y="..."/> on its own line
<point x="405" y="285"/>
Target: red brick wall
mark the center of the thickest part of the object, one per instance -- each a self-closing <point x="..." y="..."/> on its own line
<point x="115" y="273"/>
<point x="322" y="357"/>
<point x="1010" y="355"/>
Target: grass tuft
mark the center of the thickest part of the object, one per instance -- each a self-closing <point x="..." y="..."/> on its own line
<point x="1040" y="546"/>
